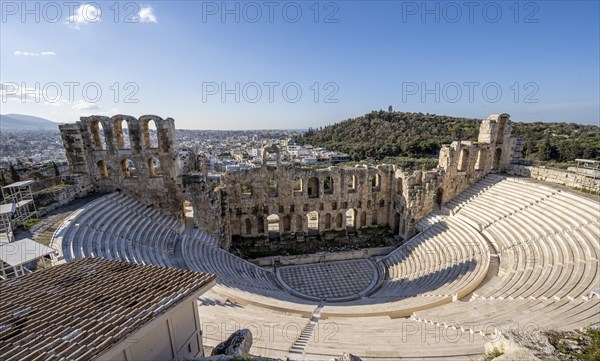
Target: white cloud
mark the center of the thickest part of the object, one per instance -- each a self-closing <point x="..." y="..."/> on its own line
<point x="84" y="14"/>
<point x="146" y="15"/>
<point x="56" y="102"/>
<point x="28" y="53"/>
<point x="85" y="106"/>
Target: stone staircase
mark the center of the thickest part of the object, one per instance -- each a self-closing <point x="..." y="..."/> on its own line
<point x="297" y="349"/>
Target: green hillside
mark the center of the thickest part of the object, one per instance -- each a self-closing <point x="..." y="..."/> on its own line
<point x="400" y="137"/>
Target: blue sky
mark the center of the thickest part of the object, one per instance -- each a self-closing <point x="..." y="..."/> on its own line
<point x="250" y="65"/>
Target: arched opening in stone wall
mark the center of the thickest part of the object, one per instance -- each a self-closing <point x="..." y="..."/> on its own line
<point x="327" y="222"/>
<point x="339" y="223"/>
<point x="439" y="197"/>
<point x="102" y="169"/>
<point x="273" y="226"/>
<point x="271" y="155"/>
<point x="150" y="134"/>
<point x="350" y="220"/>
<point x="363" y="219"/>
<point x="287" y="227"/>
<point x="398" y="185"/>
<point x="313" y="187"/>
<point x="481" y="155"/>
<point x="98" y="136"/>
<point x="376" y="183"/>
<point x="299" y="225"/>
<point x="246" y="188"/>
<point x="351" y="184"/>
<point x="374" y="220"/>
<point x="381" y="203"/>
<point x="128" y="168"/>
<point x="272" y="188"/>
<point x="260" y="225"/>
<point x="328" y="185"/>
<point x="313" y="223"/>
<point x="235" y="227"/>
<point x="298" y="186"/>
<point x="121" y="132"/>
<point x="154" y="168"/>
<point x="463" y="160"/>
<point x="396" y="226"/>
<point x="497" y="158"/>
<point x="187" y="212"/>
<point x="247" y="226"/>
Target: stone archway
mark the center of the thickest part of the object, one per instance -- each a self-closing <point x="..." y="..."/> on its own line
<point x="313" y="187"/>
<point x="350" y="220"/>
<point x="313" y="223"/>
<point x="273" y="226"/>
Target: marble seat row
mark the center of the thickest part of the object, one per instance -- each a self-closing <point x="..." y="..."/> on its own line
<point x="485" y="316"/>
<point x="548" y="255"/>
<point x="273" y="333"/>
<point x="495" y="198"/>
<point x="530" y="262"/>
<point x="118" y="227"/>
<point x="440" y="260"/>
<point x="386" y="338"/>
<point x="367" y="337"/>
<point x="233" y="271"/>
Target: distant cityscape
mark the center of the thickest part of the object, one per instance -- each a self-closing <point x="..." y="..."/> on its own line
<point x="227" y="151"/>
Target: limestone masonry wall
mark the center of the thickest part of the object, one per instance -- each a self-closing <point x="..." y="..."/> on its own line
<point x="557" y="176"/>
<point x="276" y="201"/>
<point x="51" y="198"/>
<point x="131" y="161"/>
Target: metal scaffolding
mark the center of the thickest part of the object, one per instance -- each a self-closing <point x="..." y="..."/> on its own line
<point x="6" y="214"/>
<point x="19" y="193"/>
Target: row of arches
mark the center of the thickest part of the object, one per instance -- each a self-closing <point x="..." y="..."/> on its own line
<point x="312" y="187"/>
<point x="129" y="168"/>
<point x="122" y="134"/>
<point x="311" y="223"/>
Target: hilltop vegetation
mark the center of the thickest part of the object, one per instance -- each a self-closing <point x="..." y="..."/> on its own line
<point x="409" y="137"/>
<point x="558" y="142"/>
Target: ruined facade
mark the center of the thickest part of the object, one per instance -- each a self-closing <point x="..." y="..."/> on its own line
<point x="460" y="165"/>
<point x="275" y="200"/>
<point x="142" y="164"/>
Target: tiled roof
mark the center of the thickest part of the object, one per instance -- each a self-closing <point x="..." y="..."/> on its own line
<point x="77" y="310"/>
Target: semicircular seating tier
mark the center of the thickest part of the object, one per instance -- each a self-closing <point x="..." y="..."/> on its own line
<point x="506" y="252"/>
<point x="448" y="260"/>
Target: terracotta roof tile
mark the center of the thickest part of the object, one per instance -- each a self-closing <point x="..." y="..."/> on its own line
<point x="80" y="309"/>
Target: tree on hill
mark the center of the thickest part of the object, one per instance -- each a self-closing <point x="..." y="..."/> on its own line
<point x="380" y="134"/>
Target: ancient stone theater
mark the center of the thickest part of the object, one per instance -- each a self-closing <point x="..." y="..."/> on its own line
<point x="436" y="264"/>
